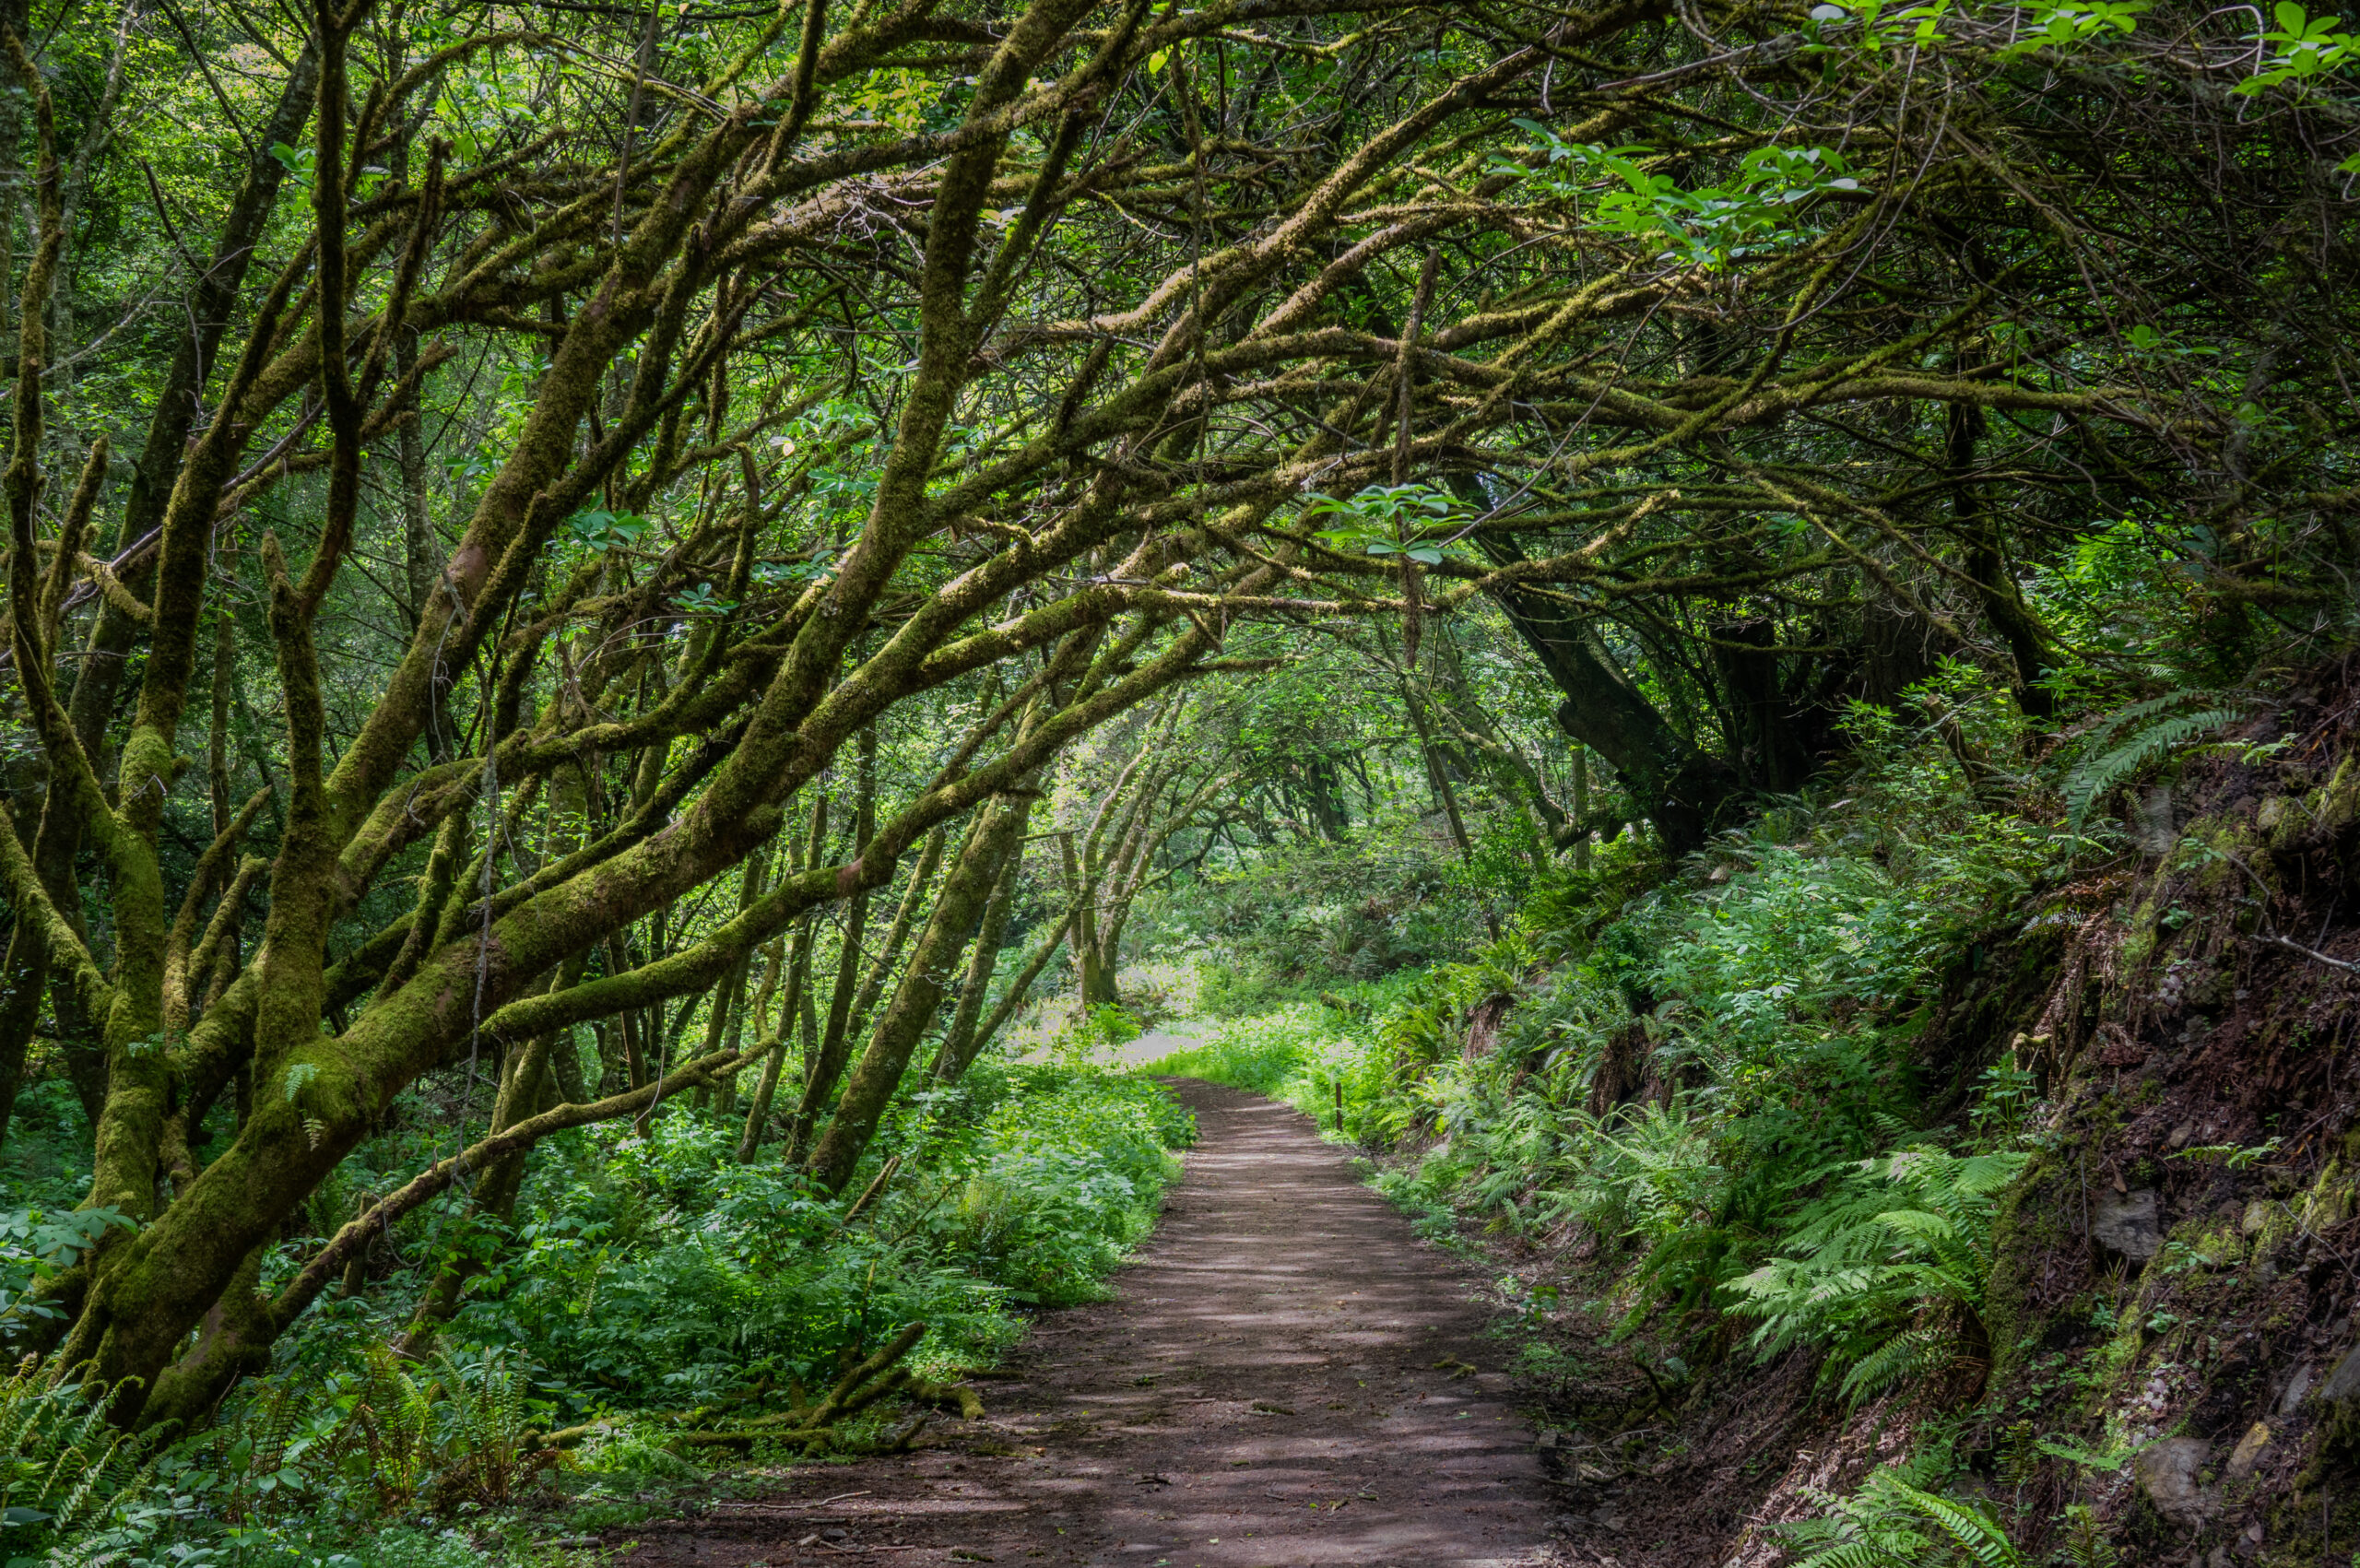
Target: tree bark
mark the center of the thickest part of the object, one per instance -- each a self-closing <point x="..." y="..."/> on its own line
<point x="878" y="1073"/>
<point x="960" y="1042"/>
<point x="798" y="981"/>
<point x="1683" y="790"/>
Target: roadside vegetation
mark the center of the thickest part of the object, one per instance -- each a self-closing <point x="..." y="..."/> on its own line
<point x="1772" y="1125"/>
<point x="618" y="1342"/>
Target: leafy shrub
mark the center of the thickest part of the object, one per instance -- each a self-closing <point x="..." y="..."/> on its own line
<point x="1061" y="1174"/>
<point x="36" y="1245"/>
<point x="661" y="1268"/>
<point x="1102" y="1027"/>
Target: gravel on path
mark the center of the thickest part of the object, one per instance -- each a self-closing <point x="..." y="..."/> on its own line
<point x="1286" y="1376"/>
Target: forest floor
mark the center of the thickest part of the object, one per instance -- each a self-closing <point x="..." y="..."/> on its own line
<point x="1285" y="1375"/>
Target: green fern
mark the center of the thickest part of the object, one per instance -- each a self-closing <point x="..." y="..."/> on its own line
<point x="2085" y="1545"/>
<point x="1970" y="1529"/>
<point x="1882" y="1270"/>
<point x="1891" y="1523"/>
<point x="2147" y="730"/>
<point x="64" y="1468"/>
<point x="487" y="1427"/>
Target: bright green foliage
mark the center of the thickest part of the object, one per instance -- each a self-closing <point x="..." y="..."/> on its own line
<point x="1707" y="227"/>
<point x="1059" y="1174"/>
<point x="1387" y="520"/>
<point x="1887" y="1270"/>
<point x="662" y="1266"/>
<point x="2301" y="47"/>
<point x="647" y="1273"/>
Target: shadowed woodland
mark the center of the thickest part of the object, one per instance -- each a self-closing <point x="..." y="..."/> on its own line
<point x="630" y="631"/>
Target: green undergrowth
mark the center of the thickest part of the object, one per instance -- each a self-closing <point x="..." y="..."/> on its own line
<point x="646" y="1275"/>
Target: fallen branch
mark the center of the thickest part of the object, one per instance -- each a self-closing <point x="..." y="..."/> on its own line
<point x="2309" y="953"/>
<point x="949" y="1396"/>
<point x="874" y="1379"/>
<point x="869" y="1195"/>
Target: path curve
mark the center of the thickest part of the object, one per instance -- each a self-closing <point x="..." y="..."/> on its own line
<point x="1283" y="1379"/>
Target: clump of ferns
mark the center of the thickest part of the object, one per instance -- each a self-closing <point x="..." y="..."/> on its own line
<point x="450" y="1430"/>
<point x="1886" y="1271"/>
<point x="63" y="1466"/>
<point x="1892" y="1523"/>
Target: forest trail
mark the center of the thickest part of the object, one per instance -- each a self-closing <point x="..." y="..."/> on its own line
<point x="1283" y="1379"/>
<point x="1153" y="1046"/>
<point x="1159" y="1043"/>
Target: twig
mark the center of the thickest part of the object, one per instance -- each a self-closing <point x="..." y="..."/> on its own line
<point x="2310" y="953"/>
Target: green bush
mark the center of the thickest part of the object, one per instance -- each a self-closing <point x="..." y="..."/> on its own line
<point x="644" y="1274"/>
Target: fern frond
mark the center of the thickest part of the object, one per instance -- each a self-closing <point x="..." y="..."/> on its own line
<point x="1877" y="1527"/>
<point x="1864" y="1554"/>
<point x="2123" y="717"/>
<point x="1919" y="1224"/>
<point x="1901" y="1357"/>
<point x="1973" y="1529"/>
<point x="2098" y="773"/>
<point x="63" y="1462"/>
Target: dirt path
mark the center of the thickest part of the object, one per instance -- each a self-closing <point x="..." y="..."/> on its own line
<point x="1263" y="1390"/>
<point x="1160" y="1042"/>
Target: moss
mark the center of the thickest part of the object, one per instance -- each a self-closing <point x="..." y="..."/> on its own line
<point x="2120" y="1354"/>
<point x="2336" y="806"/>
<point x="2268" y="1223"/>
<point x="2140" y="944"/>
<point x="2212" y="1244"/>
<point x="2329" y="1201"/>
<point x="319" y="1082"/>
<point x="2029" y="1225"/>
<point x="2281" y="821"/>
<point x="2226" y="857"/>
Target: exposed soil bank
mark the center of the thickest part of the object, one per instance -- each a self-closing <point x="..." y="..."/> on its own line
<point x="1283" y="1378"/>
